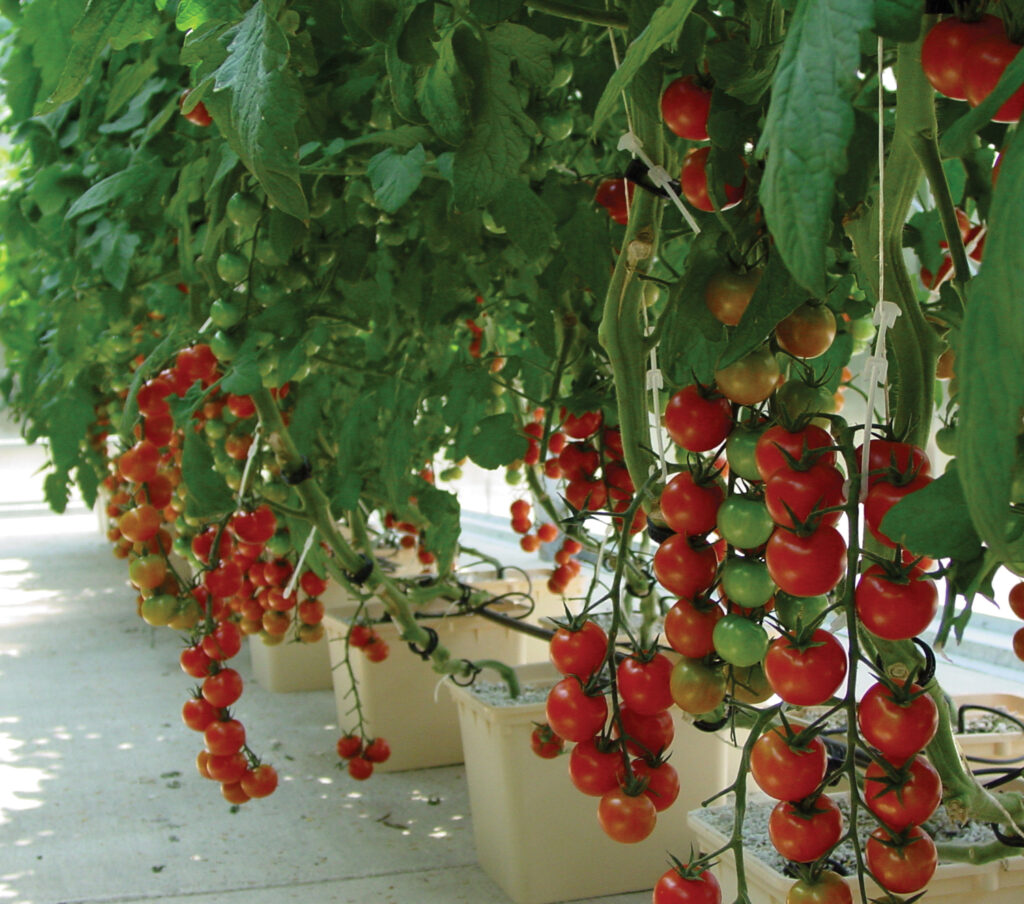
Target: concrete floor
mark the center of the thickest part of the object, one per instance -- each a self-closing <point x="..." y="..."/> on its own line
<point x="99" y="796"/>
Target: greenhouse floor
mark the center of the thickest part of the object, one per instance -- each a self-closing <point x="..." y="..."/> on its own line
<point x="99" y="797"/>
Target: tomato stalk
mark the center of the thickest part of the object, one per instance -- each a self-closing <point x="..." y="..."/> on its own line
<point x="608" y="18"/>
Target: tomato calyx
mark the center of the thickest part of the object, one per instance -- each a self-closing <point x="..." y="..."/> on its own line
<point x="695" y="868"/>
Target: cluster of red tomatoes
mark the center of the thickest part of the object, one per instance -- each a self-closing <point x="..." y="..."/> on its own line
<point x="409" y="534"/>
<point x="621" y="761"/>
<point x="1016" y="601"/>
<point x="567" y="567"/>
<point x="965" y="60"/>
<point x="973" y="235"/>
<point x="360" y="754"/>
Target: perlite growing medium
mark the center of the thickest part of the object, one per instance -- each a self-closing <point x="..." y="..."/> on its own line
<point x="496" y="694"/>
<point x="756" y="843"/>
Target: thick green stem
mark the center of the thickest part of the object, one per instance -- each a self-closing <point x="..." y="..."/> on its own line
<point x="578" y="14"/>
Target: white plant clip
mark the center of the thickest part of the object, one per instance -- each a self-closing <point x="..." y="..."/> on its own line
<point x="249" y="459"/>
<point x="877" y="370"/>
<point x="658" y="175"/>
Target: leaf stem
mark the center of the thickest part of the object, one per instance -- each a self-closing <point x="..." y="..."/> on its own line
<point x="606" y="18"/>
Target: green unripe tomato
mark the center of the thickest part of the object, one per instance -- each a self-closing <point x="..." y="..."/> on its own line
<point x="225" y="314"/>
<point x="490" y="224"/>
<point x="267" y="254"/>
<point x="215" y="429"/>
<point x="452" y="473"/>
<point x="805" y="609"/>
<point x="945" y="440"/>
<point x="795" y="398"/>
<point x="861" y="330"/>
<point x="739" y="451"/>
<point x="563" y="72"/>
<point x="513" y="477"/>
<point x="747" y="583"/>
<point x="224" y="348"/>
<point x="232" y="267"/>
<point x="557" y="126"/>
<point x="244" y="209"/>
<point x="744" y="522"/>
<point x="267" y="293"/>
<point x="280" y="544"/>
<point x="740" y="641"/>
<point x="275" y="492"/>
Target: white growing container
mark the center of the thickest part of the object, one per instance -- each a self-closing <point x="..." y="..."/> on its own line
<point x="993" y="744"/>
<point x="401" y="697"/>
<point x="538" y="837"/>
<point x="1001" y="882"/>
<point x="288" y="667"/>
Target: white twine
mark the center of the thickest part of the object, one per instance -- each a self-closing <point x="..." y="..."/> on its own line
<point x="293" y="580"/>
<point x="655" y="383"/>
<point x="877" y="367"/>
<point x="249" y="459"/>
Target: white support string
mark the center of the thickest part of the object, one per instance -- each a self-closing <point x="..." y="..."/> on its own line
<point x="655" y="383"/>
<point x="877" y="367"/>
<point x="249" y="459"/>
<point x="293" y="580"/>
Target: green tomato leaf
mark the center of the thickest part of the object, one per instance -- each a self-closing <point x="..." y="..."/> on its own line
<point x="934" y="521"/>
<point x="665" y="25"/>
<point x="528" y="220"/>
<point x="133" y="182"/>
<point x="46" y="28"/>
<point x="496" y="442"/>
<point x="500" y="140"/>
<point x="990" y="363"/>
<point x="208" y="494"/>
<point x="395" y="176"/>
<point x="256" y="102"/>
<point x="490" y="12"/>
<point x="441" y="531"/>
<point x="530" y="52"/>
<point x="777" y="296"/>
<point x="193" y="13"/>
<point x="377" y="18"/>
<point x="811" y="96"/>
<point x="415" y="44"/>
<point x="105" y="23"/>
<point x="443" y="94"/>
<point x="898" y="20"/>
<point x="587" y="250"/>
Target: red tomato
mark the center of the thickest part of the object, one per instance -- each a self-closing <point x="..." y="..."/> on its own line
<point x="895" y="609"/>
<point x="690" y="507"/>
<point x="899" y="729"/>
<point x="904" y="804"/>
<point x="786" y="772"/>
<point x="674" y="888"/>
<point x="223" y="688"/>
<point x="593" y="770"/>
<point x="615" y="195"/>
<point x="360" y="768"/>
<point x="626" y="818"/>
<point x="682" y="569"/>
<point x="806" y="566"/>
<point x="694" y="181"/>
<point x="989" y="57"/>
<point x="684" y="108"/>
<point x="882" y="497"/>
<point x="805" y="832"/>
<point x="890" y="461"/>
<point x="662" y="782"/>
<point x="644" y="686"/>
<point x="198" y="115"/>
<point x="349" y="745"/>
<point x="904" y="868"/>
<point x="197" y="713"/>
<point x="377" y="751"/>
<point x="545" y="743"/>
<point x="945" y="52"/>
<point x="790" y="493"/>
<point x="647" y="736"/>
<point x="1016" y="599"/>
<point x="194" y="662"/>
<point x="572" y="714"/>
<point x="581" y="652"/>
<point x="224" y="737"/>
<point x="257" y="526"/>
<point x="688" y="629"/>
<point x="583" y="425"/>
<point x="809" y="676"/>
<point x="777" y="442"/>
<point x="229" y="768"/>
<point x="698" y="420"/>
<point x="578" y="461"/>
<point x="260" y="782"/>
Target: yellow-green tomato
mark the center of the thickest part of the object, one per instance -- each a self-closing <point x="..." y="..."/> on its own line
<point x="695" y="687"/>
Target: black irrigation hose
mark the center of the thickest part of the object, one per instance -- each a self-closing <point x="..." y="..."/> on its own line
<point x="1003" y="714"/>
